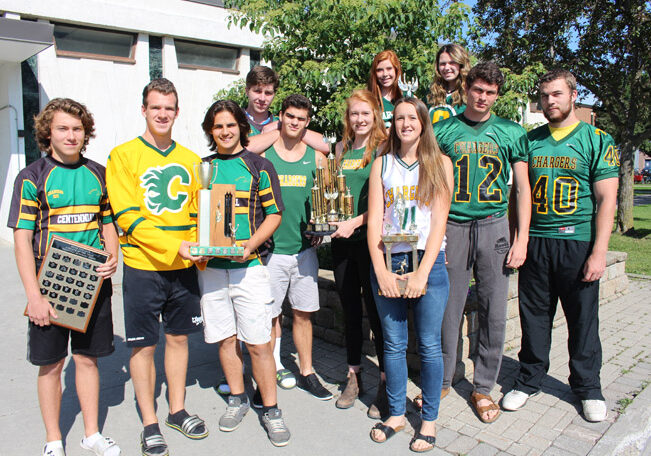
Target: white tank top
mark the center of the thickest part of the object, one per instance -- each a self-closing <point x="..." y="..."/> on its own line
<point x="400" y="185"/>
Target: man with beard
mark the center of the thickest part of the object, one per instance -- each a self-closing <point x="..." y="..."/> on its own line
<point x="574" y="167"/>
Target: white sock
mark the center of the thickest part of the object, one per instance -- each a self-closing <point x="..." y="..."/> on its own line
<point x="91" y="439"/>
<point x="279" y="364"/>
<point x="53" y="444"/>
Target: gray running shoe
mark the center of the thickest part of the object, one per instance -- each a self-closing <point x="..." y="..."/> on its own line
<point x="235" y="411"/>
<point x="276" y="427"/>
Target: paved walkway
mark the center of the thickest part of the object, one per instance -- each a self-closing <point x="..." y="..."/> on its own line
<point x="550" y="424"/>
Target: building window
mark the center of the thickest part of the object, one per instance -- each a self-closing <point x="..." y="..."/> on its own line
<point x="75" y="41"/>
<point x="255" y="58"/>
<point x="206" y="56"/>
<point x="155" y="57"/>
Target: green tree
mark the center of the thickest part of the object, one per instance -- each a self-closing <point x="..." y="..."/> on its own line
<point x="324" y="48"/>
<point x="604" y="43"/>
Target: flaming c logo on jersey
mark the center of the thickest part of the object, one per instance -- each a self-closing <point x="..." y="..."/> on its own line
<point x="157" y="181"/>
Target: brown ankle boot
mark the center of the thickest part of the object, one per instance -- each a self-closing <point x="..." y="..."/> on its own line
<point x="351" y="392"/>
<point x="380" y="406"/>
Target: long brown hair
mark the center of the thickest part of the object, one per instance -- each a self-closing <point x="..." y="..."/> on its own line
<point x="438" y="92"/>
<point x="373" y="85"/>
<point x="378" y="132"/>
<point x="431" y="174"/>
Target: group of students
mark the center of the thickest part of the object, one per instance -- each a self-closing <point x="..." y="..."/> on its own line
<point x="447" y="168"/>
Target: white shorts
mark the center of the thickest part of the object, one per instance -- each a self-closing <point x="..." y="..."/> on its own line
<point x="298" y="273"/>
<point x="236" y="302"/>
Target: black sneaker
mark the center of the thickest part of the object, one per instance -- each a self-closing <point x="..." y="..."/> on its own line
<point x="312" y="385"/>
<point x="257" y="399"/>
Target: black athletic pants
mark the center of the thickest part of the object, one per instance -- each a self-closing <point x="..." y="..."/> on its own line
<point x="553" y="270"/>
<point x="352" y="264"/>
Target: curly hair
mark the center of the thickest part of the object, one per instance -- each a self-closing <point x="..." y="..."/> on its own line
<point x="229" y="106"/>
<point x="43" y="121"/>
<point x="438" y="92"/>
<point x="488" y="72"/>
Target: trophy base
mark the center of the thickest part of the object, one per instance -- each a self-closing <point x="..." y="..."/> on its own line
<point x="320" y="229"/>
<point x="210" y="250"/>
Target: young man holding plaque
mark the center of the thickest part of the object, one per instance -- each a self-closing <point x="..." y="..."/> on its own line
<point x="64" y="193"/>
<point x="480" y="145"/>
<point x="153" y="193"/>
<point x="235" y="292"/>
<point x="293" y="264"/>
<point x="575" y="169"/>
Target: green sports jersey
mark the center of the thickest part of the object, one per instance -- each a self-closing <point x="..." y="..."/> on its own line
<point x="51" y="197"/>
<point x="257" y="194"/>
<point x="296" y="182"/>
<point x="562" y="174"/>
<point x="256" y="128"/>
<point x="445" y="111"/>
<point x="357" y="181"/>
<point x="481" y="156"/>
<point x="387" y="110"/>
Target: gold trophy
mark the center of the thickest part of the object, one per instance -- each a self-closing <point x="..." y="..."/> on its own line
<point x="216" y="226"/>
<point x="331" y="199"/>
<point x="408" y="235"/>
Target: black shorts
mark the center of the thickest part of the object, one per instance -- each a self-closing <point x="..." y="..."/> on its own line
<point x="48" y="344"/>
<point x="148" y="295"/>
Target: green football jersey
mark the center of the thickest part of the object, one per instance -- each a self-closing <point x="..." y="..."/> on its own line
<point x="481" y="157"/>
<point x="296" y="182"/>
<point x="562" y="174"/>
<point x="445" y="111"/>
<point x="357" y="181"/>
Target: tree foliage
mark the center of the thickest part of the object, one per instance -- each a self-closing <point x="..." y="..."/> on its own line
<point x="324" y="48"/>
<point x="605" y="43"/>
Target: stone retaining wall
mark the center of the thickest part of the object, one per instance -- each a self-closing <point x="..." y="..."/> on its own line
<point x="329" y="324"/>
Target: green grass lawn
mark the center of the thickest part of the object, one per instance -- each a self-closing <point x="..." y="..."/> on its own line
<point x="638" y="244"/>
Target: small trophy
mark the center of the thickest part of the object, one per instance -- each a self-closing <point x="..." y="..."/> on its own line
<point x="216" y="226"/>
<point x="331" y="198"/>
<point x="408" y="86"/>
<point x="403" y="235"/>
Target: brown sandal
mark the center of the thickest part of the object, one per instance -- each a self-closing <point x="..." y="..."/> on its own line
<point x="475" y="397"/>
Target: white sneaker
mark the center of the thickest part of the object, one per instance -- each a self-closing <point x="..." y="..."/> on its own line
<point x="594" y="410"/>
<point x="53" y="450"/>
<point x="103" y="446"/>
<point x="515" y="400"/>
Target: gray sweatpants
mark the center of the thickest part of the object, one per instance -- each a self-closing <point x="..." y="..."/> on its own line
<point x="478" y="247"/>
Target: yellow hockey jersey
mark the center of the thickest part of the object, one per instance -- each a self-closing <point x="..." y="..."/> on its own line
<point x="153" y="196"/>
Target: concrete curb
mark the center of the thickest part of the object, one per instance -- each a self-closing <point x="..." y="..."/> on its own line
<point x="638" y="276"/>
<point x="631" y="433"/>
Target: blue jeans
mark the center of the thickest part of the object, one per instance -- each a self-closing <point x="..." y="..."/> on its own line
<point x="428" y="314"/>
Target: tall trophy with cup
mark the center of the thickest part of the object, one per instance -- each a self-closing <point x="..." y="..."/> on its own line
<point x="407" y="233"/>
<point x="331" y="198"/>
<point x="216" y="226"/>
